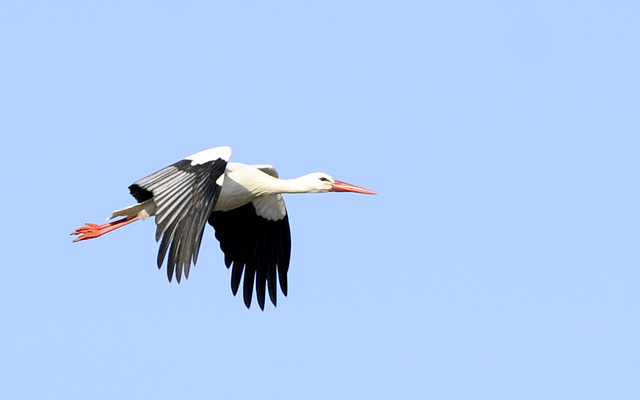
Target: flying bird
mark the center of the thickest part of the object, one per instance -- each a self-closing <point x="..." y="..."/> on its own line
<point x="242" y="202"/>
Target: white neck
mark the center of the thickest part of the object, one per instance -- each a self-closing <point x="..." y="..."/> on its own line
<point x="244" y="184"/>
<point x="296" y="185"/>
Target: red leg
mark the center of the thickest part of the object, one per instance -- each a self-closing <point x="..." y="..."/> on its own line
<point x="90" y="231"/>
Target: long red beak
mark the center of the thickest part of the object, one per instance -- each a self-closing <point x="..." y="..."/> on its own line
<point x="339" y="186"/>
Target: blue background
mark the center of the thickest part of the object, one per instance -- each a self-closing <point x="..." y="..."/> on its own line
<point x="500" y="260"/>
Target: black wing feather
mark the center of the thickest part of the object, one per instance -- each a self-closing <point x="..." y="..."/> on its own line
<point x="185" y="195"/>
<point x="259" y="247"/>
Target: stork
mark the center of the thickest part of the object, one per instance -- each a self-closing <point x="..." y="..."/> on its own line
<point x="242" y="202"/>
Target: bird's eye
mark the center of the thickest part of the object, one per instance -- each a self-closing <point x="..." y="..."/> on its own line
<point x="324" y="179"/>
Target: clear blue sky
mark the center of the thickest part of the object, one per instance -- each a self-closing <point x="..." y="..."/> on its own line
<point x="500" y="260"/>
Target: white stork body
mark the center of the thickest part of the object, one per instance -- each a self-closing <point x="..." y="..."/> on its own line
<point x="245" y="183"/>
<point x="242" y="202"/>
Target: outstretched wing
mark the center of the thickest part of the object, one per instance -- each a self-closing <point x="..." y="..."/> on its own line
<point x="185" y="195"/>
<point x="267" y="169"/>
<point x="256" y="239"/>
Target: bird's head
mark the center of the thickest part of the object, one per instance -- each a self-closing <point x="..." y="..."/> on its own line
<point x="320" y="182"/>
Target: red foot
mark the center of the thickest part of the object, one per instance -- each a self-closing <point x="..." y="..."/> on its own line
<point x="91" y="231"/>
